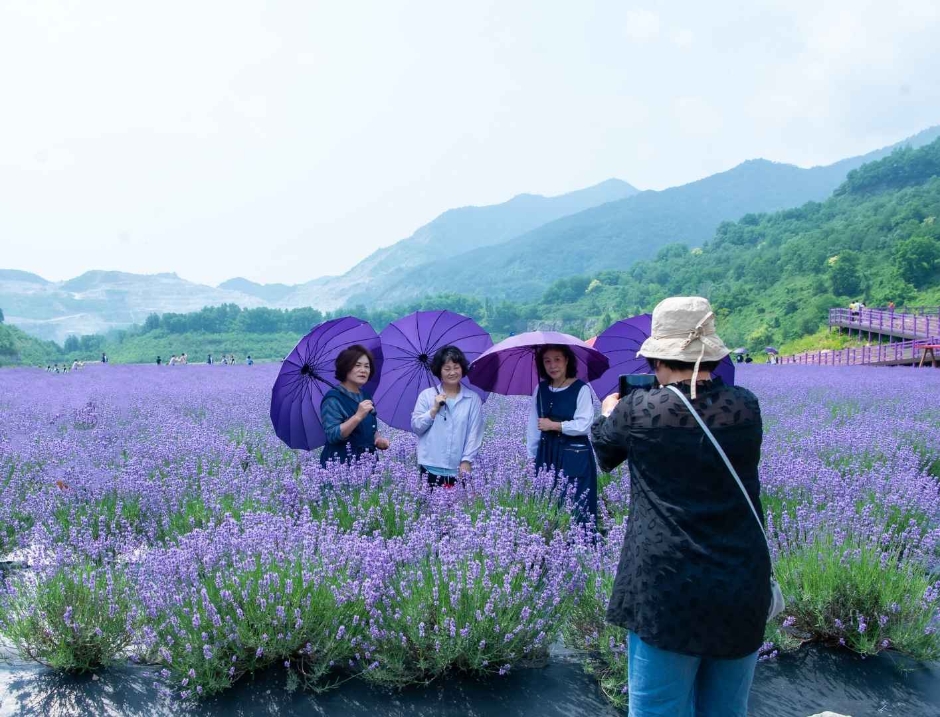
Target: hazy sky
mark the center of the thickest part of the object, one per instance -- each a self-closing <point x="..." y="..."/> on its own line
<point x="281" y="141"/>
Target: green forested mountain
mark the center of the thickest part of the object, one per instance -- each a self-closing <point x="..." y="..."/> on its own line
<point x="618" y="234"/>
<point x="454" y="233"/>
<point x="771" y="277"/>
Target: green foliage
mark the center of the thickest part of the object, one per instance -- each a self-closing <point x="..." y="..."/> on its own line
<point x="904" y="167"/>
<point x="918" y="260"/>
<point x="844" y="274"/>
<point x="77" y="618"/>
<point x="840" y="592"/>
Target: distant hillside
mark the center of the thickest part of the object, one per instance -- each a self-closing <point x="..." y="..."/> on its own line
<point x="618" y="234"/>
<point x="99" y="301"/>
<point x="17" y="348"/>
<point x="269" y="293"/>
<point x="454" y="233"/>
<point x="772" y="278"/>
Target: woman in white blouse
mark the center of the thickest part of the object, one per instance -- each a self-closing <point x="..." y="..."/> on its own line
<point x="560" y="420"/>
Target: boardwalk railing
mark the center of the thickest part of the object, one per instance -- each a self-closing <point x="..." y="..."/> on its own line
<point x="924" y="324"/>
<point x="902" y="352"/>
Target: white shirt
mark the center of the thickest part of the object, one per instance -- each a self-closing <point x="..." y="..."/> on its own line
<point x="580" y="425"/>
<point x="454" y="435"/>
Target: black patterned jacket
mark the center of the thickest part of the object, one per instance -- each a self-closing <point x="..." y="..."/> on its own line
<point x="694" y="571"/>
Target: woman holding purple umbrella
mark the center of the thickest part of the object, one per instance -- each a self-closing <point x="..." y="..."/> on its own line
<point x="448" y="420"/>
<point x="346" y="410"/>
<point x="560" y="418"/>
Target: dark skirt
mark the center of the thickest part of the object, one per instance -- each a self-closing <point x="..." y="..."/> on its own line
<point x="573" y="457"/>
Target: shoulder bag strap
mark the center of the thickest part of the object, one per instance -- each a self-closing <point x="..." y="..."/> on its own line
<point x="721" y="453"/>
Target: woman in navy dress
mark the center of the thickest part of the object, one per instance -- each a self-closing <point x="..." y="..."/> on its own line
<point x="560" y="418"/>
<point x="346" y="411"/>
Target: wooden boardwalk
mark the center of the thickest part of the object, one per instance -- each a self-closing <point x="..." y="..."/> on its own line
<point x="920" y="352"/>
<point x="877" y="323"/>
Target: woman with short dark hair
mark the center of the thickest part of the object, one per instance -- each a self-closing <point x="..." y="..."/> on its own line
<point x="693" y="583"/>
<point x="560" y="418"/>
<point x="448" y="420"/>
<point x="346" y="411"/>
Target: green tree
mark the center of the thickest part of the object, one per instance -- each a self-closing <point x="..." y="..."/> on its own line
<point x="918" y="259"/>
<point x="71" y="344"/>
<point x="844" y="274"/>
<point x="152" y="322"/>
<point x="1" y="316"/>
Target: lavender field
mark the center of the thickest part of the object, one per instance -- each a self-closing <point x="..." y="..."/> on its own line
<point x="150" y="514"/>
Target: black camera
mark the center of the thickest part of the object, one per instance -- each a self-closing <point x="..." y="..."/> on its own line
<point x="632" y="381"/>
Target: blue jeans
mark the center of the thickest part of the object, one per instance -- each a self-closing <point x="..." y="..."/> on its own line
<point x="669" y="684"/>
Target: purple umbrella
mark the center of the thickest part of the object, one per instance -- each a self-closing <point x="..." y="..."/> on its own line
<point x="771" y="350"/>
<point x="740" y="352"/>
<point x="621" y="341"/>
<point x="308" y="373"/>
<point x="509" y="366"/>
<point x="408" y="346"/>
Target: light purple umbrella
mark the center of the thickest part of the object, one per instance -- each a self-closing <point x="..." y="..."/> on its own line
<point x="620" y="342"/>
<point x="309" y="371"/>
<point x="509" y="366"/>
<point x="408" y="346"/>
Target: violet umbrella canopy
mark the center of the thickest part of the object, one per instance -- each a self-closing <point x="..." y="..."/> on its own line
<point x="509" y="366"/>
<point x="620" y="342"/>
<point x="408" y="347"/>
<point x="771" y="350"/>
<point x="309" y="371"/>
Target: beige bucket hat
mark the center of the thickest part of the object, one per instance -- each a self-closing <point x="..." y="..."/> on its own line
<point x="684" y="330"/>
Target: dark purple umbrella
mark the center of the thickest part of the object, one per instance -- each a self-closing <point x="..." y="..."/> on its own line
<point x="308" y="373"/>
<point x="408" y="345"/>
<point x="771" y="350"/>
<point x="621" y="341"/>
<point x="509" y="366"/>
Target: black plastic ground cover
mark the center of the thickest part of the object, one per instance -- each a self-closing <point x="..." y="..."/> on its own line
<point x="796" y="685"/>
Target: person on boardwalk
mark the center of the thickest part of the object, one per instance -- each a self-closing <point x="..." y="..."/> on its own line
<point x="693" y="586"/>
<point x="560" y="418"/>
<point x="448" y="420"/>
<point x="346" y="411"/>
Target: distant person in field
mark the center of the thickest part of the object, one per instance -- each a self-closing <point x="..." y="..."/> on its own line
<point x="183" y="359"/>
<point x="448" y="420"/>
<point x="693" y="586"/>
<point x="209" y="360"/>
<point x="249" y="361"/>
<point x="890" y="306"/>
<point x="104" y="357"/>
<point x="172" y="361"/>
<point x="347" y="412"/>
<point x="159" y="361"/>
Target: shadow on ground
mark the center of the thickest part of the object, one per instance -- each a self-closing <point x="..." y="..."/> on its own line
<point x="799" y="685"/>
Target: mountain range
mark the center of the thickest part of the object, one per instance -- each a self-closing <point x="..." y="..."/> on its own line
<point x="513" y="250"/>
